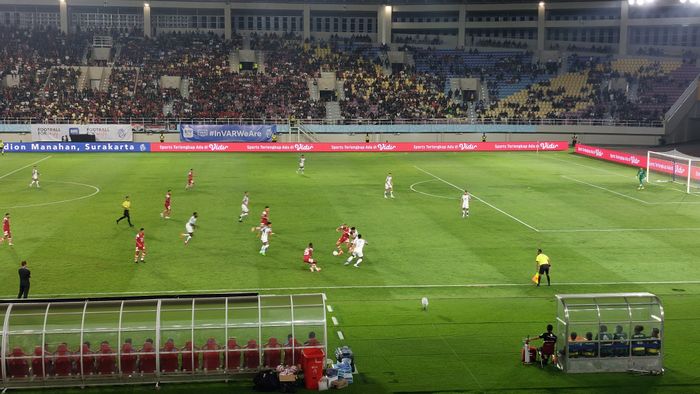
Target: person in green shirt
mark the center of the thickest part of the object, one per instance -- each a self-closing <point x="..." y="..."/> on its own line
<point x="641" y="175"/>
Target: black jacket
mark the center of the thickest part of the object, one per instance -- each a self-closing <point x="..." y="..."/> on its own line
<point x="24" y="275"/>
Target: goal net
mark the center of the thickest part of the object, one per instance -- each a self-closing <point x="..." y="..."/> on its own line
<point x="674" y="167"/>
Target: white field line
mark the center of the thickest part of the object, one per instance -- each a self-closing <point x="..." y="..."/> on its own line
<point x="335" y="320"/>
<point x="412" y="187"/>
<point x="606" y="189"/>
<point x="616" y="174"/>
<point x="479" y="199"/>
<point x="341" y="336"/>
<point x="95" y="188"/>
<point x="354" y="287"/>
<point x="329" y="308"/>
<point x="618" y="230"/>
<point x="22" y="168"/>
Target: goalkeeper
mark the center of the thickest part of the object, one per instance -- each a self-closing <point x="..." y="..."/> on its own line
<point x="641" y="175"/>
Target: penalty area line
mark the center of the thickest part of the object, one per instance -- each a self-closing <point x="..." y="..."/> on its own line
<point x="22" y="168"/>
<point x="605" y="189"/>
<point x="354" y="287"/>
<point x="479" y="199"/>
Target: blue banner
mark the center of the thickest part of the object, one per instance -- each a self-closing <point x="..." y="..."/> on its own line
<point x="226" y="133"/>
<point x="71" y="147"/>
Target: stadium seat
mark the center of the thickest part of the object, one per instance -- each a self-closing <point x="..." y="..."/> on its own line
<point x="169" y="357"/>
<point x="127" y="359"/>
<point x="106" y="360"/>
<point x="211" y="357"/>
<point x="252" y="356"/>
<point x="189" y="359"/>
<point x="17" y="367"/>
<point x="63" y="361"/>
<point x="234" y="357"/>
<point x="147" y="358"/>
<point x="37" y="368"/>
<point x="272" y="353"/>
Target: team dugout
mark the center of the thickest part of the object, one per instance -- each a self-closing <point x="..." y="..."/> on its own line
<point x="149" y="340"/>
<point x="610" y="332"/>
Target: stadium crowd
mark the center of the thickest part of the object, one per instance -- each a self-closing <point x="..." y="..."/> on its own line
<point x="42" y="74"/>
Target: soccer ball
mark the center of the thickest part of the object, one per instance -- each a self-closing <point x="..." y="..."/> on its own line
<point x="335" y="253"/>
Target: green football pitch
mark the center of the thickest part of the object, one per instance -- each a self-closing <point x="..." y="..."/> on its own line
<point x="601" y="233"/>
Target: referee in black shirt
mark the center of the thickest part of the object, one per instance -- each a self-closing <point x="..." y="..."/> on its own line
<point x="24" y="276"/>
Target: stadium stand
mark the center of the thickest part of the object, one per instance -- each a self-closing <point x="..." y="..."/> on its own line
<point x="51" y="81"/>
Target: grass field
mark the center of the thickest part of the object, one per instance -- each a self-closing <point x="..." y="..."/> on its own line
<point x="600" y="232"/>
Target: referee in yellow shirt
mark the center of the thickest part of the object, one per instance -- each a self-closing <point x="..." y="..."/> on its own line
<point x="126" y="205"/>
<point x="543" y="264"/>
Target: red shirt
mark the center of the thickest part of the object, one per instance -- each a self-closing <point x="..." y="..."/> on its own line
<point x="190" y="176"/>
<point x="140" y="240"/>
<point x="6" y="224"/>
<point x="308" y="253"/>
<point x="167" y="200"/>
<point x="263" y="218"/>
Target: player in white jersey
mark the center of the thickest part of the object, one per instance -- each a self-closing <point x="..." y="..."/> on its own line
<point x="357" y="247"/>
<point x="389" y="186"/>
<point x="189" y="228"/>
<point x="300" y="170"/>
<point x="465" y="204"/>
<point x="265" y="233"/>
<point x="244" y="207"/>
<point x="35" y="177"/>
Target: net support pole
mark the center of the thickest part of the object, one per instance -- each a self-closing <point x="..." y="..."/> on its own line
<point x="648" y="165"/>
<point x="687" y="187"/>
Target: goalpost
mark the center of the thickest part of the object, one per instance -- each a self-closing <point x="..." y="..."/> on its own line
<point x="674" y="166"/>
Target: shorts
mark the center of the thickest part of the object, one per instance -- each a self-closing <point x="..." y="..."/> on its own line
<point x="357" y="253"/>
<point x="544" y="269"/>
<point x="465" y="206"/>
<point x="140" y="249"/>
<point x="310" y="261"/>
<point x="343" y="240"/>
<point x="189" y="229"/>
<point x="167" y="207"/>
<point x="387" y="187"/>
<point x="244" y="208"/>
<point x="7" y="234"/>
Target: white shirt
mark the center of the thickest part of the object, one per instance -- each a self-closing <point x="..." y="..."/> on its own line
<point x="388" y="181"/>
<point x="245" y="200"/>
<point x="192" y="221"/>
<point x="35" y="173"/>
<point x="265" y="233"/>
<point x="358" y="244"/>
<point x="465" y="199"/>
<point x="301" y="161"/>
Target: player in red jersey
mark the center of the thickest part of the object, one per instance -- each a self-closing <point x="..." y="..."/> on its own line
<point x="140" y="246"/>
<point x="264" y="219"/>
<point x="190" y="179"/>
<point x="166" y="210"/>
<point x="6" y="233"/>
<point x="309" y="258"/>
<point x="344" y="238"/>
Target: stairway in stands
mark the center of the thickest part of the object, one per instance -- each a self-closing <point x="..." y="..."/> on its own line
<point x="333" y="111"/>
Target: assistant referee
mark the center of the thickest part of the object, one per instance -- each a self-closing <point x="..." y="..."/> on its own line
<point x="127" y="206"/>
<point x="543" y="264"/>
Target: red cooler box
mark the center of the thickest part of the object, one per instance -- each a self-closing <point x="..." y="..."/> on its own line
<point x="312" y="365"/>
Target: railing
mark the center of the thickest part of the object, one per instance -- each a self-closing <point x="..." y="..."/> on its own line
<point x="173" y="122"/>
